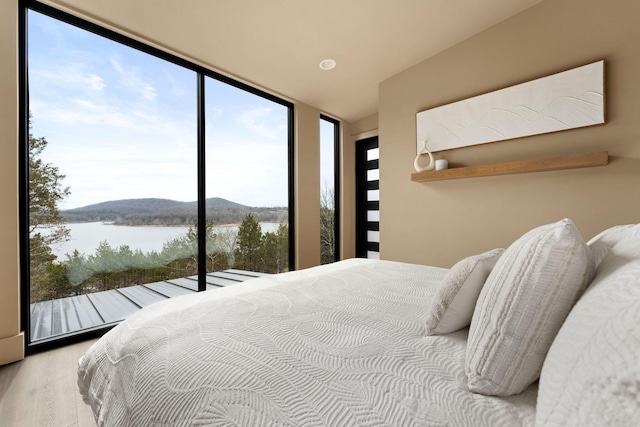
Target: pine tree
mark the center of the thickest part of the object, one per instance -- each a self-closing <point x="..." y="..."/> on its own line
<point x="247" y="255"/>
<point x="45" y="222"/>
<point x="275" y="250"/>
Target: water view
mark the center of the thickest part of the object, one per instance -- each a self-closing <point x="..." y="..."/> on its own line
<point x="85" y="237"/>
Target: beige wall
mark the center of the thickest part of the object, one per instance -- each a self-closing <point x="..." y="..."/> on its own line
<point x="307" y="186"/>
<point x="438" y="223"/>
<point x="347" y="192"/>
<point x="365" y="125"/>
<point x="11" y="342"/>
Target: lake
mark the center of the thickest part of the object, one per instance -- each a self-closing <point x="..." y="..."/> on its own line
<point x="86" y="236"/>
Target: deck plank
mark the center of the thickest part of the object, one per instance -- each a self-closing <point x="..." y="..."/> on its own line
<point x="41" y="320"/>
<point x="141" y="295"/>
<point x="87" y="314"/>
<point x="112" y="306"/>
<point x="209" y="286"/>
<point x="168" y="289"/>
<point x="212" y="279"/>
<point x="246" y="273"/>
<point x="64" y="317"/>
<point x="185" y="282"/>
<point x="215" y="281"/>
<point x="231" y="276"/>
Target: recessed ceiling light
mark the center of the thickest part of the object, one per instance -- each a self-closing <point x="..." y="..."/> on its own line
<point x="327" y="64"/>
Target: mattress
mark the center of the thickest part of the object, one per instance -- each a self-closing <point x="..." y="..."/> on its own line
<point x="336" y="345"/>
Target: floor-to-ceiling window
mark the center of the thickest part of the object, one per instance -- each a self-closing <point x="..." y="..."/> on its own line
<point x="329" y="187"/>
<point x="247" y="179"/>
<point x="142" y="174"/>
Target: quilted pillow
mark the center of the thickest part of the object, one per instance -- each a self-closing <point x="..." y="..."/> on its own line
<point x="523" y="304"/>
<point x="591" y="376"/>
<point x="455" y="298"/>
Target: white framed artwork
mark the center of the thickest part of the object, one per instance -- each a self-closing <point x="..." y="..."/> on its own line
<point x="566" y="100"/>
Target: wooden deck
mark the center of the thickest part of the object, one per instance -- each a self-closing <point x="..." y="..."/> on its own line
<point x="72" y="314"/>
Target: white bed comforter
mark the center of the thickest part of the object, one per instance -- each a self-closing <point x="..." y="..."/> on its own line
<point x="338" y="345"/>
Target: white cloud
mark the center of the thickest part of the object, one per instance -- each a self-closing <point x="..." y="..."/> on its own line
<point x="260" y="122"/>
<point x="95" y="82"/>
<point x="68" y="75"/>
<point x="130" y="78"/>
<point x="123" y="126"/>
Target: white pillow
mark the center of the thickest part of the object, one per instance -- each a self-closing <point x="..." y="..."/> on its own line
<point x="522" y="306"/>
<point x="455" y="299"/>
<point x="591" y="376"/>
<point x="605" y="240"/>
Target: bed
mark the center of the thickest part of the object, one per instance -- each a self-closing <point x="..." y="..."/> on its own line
<point x="336" y="345"/>
<point x="545" y="332"/>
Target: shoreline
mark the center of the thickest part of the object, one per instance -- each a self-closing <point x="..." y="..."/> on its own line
<point x="162" y="225"/>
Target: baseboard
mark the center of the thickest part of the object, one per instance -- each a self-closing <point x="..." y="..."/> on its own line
<point x="12" y="349"/>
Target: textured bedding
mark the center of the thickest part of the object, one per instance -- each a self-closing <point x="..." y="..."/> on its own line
<point x="337" y="345"/>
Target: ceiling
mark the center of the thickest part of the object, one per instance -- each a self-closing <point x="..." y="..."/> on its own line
<point x="278" y="44"/>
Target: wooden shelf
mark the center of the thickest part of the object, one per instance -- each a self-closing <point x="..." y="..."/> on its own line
<point x="522" y="166"/>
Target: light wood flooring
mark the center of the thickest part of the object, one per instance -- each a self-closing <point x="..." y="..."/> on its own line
<point x="41" y="390"/>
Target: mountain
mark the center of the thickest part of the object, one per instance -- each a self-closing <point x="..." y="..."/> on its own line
<point x="170" y="212"/>
<point x="217" y="203"/>
<point x="153" y="205"/>
<point x="126" y="206"/>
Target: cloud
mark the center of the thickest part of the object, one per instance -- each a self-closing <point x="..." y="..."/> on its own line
<point x="95" y="82"/>
<point x="68" y="75"/>
<point x="130" y="78"/>
<point x="260" y="121"/>
<point x="121" y="124"/>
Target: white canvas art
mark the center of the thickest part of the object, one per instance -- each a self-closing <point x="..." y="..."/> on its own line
<point x="562" y="101"/>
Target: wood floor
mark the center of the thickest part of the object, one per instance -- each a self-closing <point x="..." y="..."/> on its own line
<point x="41" y="390"/>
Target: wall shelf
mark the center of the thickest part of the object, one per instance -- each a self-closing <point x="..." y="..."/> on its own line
<point x="522" y="166"/>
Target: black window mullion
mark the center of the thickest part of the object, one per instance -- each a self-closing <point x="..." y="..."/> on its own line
<point x="202" y="203"/>
<point x="291" y="199"/>
<point x="23" y="153"/>
<point x="337" y="178"/>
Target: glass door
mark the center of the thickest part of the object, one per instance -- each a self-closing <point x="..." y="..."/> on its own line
<point x="367" y="199"/>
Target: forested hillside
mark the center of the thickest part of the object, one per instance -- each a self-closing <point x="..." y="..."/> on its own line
<point x="171" y="212"/>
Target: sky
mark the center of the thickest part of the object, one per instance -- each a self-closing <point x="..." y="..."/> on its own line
<point x="122" y="124"/>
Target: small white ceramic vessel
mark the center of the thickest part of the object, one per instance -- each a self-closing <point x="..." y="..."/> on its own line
<point x="416" y="163"/>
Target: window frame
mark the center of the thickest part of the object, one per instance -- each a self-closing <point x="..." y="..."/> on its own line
<point x="336" y="181"/>
<point x="201" y="72"/>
